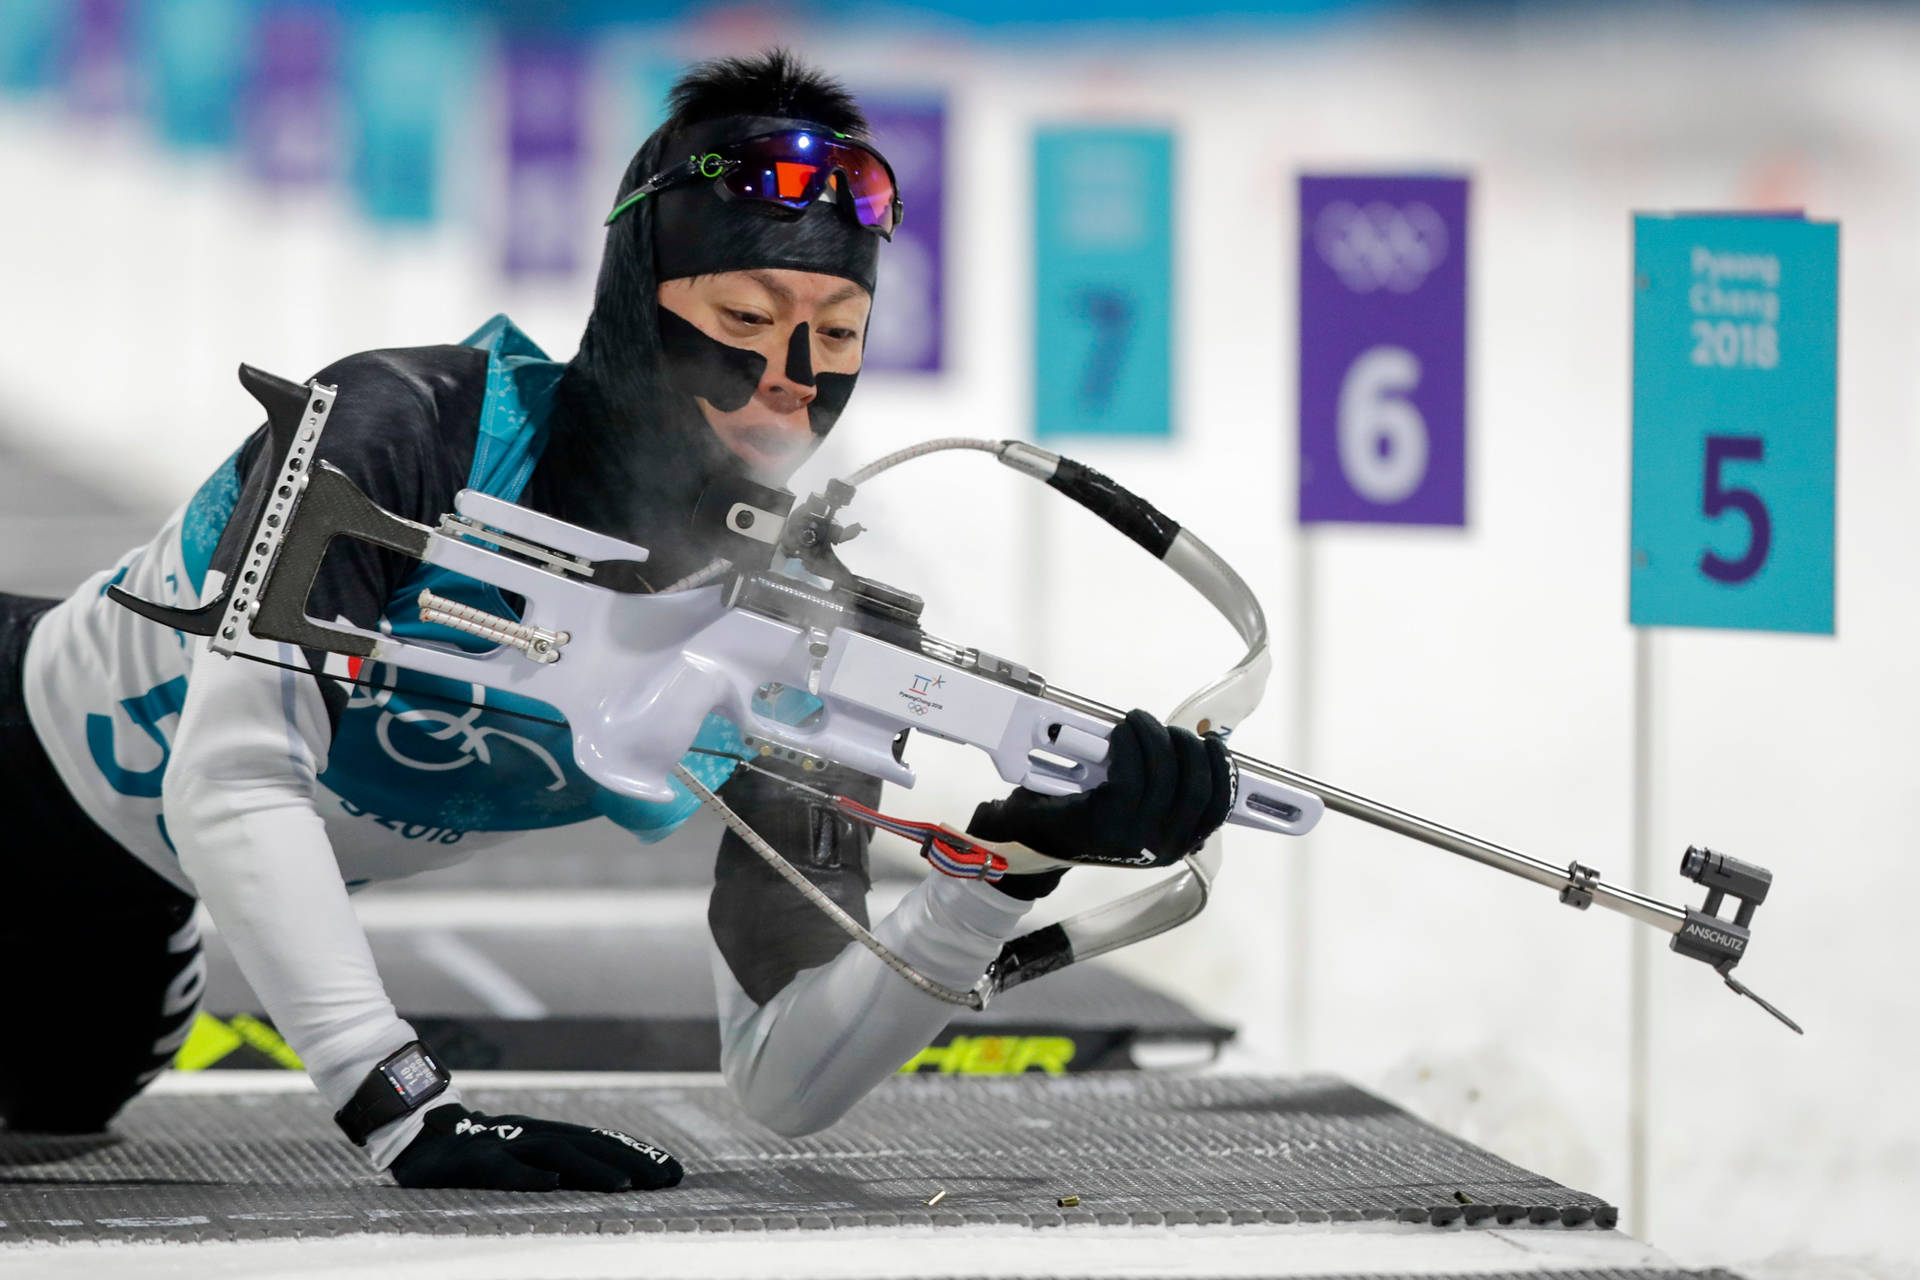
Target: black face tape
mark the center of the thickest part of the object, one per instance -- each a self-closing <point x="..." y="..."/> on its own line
<point x="727" y="376"/>
<point x="699" y="365"/>
<point x="829" y="400"/>
<point x="800" y="356"/>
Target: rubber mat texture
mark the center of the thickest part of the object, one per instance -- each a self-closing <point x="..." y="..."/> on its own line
<point x="1631" y="1273"/>
<point x="1141" y="1150"/>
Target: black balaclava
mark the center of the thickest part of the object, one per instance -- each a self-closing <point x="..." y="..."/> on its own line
<point x="629" y="452"/>
<point x="697" y="233"/>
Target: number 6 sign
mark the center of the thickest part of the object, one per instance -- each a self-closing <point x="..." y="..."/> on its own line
<point x="1734" y="352"/>
<point x="1383" y="438"/>
<point x="1383" y="349"/>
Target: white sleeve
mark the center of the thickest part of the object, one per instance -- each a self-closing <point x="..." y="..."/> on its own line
<point x="239" y="803"/>
<point x="800" y="1061"/>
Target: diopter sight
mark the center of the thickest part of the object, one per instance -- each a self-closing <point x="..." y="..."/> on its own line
<point x="1705" y="935"/>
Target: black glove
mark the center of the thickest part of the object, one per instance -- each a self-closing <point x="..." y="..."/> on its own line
<point x="462" y="1148"/>
<point x="1166" y="791"/>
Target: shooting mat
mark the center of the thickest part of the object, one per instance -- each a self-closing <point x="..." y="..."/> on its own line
<point x="1137" y="1149"/>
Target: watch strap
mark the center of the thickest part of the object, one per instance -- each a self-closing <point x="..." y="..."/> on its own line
<point x="382" y="1098"/>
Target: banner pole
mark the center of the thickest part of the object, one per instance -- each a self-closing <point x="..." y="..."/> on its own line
<point x="1299" y="986"/>
<point x="1640" y="958"/>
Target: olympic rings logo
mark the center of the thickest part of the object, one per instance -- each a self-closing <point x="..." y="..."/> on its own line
<point x="1378" y="246"/>
<point x="469" y="736"/>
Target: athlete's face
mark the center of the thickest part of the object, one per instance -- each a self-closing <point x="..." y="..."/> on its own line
<point x="761" y="311"/>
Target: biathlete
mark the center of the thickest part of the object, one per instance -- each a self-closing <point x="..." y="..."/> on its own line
<point x="146" y="774"/>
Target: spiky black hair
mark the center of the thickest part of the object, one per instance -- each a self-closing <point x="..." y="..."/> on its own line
<point x="774" y="83"/>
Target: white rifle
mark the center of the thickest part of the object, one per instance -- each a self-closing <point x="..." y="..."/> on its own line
<point x="635" y="673"/>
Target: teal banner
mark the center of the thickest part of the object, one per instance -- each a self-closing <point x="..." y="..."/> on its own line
<point x="630" y="76"/>
<point x="1735" y="348"/>
<point x="1103" y="282"/>
<point x="402" y="71"/>
<point x="649" y="81"/>
<point x="31" y="34"/>
<point x="195" y="53"/>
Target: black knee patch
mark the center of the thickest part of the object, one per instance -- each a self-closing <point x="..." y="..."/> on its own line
<point x="65" y="1116"/>
<point x="766" y="932"/>
<point x="107" y="1001"/>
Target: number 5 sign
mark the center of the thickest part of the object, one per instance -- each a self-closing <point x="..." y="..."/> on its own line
<point x="1383" y="350"/>
<point x="1734" y="353"/>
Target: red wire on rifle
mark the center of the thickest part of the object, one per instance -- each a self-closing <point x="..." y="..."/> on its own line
<point x="950" y="855"/>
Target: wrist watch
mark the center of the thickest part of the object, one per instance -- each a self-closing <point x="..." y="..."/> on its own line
<point x="405" y="1081"/>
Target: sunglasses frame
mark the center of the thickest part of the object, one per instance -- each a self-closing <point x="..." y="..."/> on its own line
<point x="712" y="165"/>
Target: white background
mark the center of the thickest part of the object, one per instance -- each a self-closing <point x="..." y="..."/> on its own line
<point x="1481" y="677"/>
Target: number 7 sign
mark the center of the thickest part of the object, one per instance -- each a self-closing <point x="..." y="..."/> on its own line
<point x="1734" y="354"/>
<point x="1103" y="281"/>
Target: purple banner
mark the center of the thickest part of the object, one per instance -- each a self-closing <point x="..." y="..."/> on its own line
<point x="546" y="153"/>
<point x="292" y="118"/>
<point x="908" y="333"/>
<point x="100" y="59"/>
<point x="1383" y="350"/>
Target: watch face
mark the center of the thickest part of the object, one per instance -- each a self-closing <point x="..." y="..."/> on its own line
<point x="415" y="1076"/>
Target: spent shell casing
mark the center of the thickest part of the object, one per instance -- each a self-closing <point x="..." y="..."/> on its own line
<point x="936" y="1197"/>
<point x="1068" y="1202"/>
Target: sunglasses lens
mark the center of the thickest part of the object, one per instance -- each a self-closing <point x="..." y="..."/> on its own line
<point x="793" y="183"/>
<point x="792" y="169"/>
<point x="871" y="186"/>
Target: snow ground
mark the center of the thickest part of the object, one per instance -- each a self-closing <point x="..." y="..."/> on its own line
<point x="855" y="1255"/>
